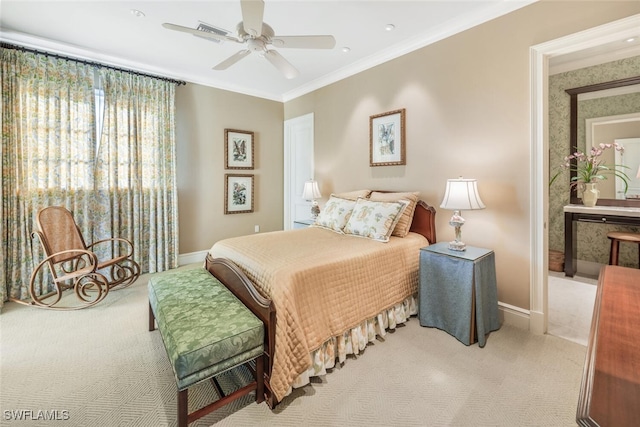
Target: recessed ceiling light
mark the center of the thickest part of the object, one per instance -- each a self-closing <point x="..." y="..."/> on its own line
<point x="137" y="13"/>
<point x="346" y="49"/>
<point x="632" y="39"/>
<point x="389" y="27"/>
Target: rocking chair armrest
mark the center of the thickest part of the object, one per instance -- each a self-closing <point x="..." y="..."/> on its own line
<point x="91" y="268"/>
<point x="115" y="239"/>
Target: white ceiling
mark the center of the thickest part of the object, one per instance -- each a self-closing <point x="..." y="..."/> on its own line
<point x="107" y="31"/>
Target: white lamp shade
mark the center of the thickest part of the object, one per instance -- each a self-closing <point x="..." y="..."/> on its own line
<point x="311" y="190"/>
<point x="461" y="195"/>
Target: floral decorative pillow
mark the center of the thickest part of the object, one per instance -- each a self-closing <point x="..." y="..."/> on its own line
<point x="335" y="214"/>
<point x="375" y="220"/>
<point x="404" y="223"/>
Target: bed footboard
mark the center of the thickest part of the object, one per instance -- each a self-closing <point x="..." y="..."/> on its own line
<point x="238" y="283"/>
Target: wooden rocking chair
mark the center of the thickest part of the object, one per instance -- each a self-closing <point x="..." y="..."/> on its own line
<point x="75" y="265"/>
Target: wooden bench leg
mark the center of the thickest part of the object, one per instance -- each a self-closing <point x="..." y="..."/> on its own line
<point x="183" y="408"/>
<point x="152" y="319"/>
<point x="260" y="379"/>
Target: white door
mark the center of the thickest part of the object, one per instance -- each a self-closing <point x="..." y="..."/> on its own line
<point x="298" y="167"/>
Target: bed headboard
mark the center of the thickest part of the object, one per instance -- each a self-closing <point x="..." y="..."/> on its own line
<point x="424" y="221"/>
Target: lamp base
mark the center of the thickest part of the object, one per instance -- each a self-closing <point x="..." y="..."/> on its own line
<point x="457" y="222"/>
<point x="457" y="246"/>
<point x="315" y="210"/>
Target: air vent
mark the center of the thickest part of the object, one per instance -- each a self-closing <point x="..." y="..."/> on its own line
<point x="211" y="29"/>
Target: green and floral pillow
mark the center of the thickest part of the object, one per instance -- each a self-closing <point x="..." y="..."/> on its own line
<point x="375" y="220"/>
<point x="335" y="214"/>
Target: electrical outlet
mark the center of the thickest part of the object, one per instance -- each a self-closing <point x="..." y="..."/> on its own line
<point x="257" y="229"/>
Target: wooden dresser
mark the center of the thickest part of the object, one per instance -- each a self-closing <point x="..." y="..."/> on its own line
<point x="610" y="391"/>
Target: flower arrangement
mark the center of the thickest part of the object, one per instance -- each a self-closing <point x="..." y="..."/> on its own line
<point x="591" y="168"/>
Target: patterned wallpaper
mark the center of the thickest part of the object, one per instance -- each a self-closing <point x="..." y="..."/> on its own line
<point x="593" y="244"/>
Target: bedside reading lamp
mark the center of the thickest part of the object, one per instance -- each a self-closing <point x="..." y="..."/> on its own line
<point x="311" y="192"/>
<point x="461" y="194"/>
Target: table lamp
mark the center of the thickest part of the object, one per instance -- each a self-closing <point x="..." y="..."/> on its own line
<point x="461" y="194"/>
<point x="311" y="192"/>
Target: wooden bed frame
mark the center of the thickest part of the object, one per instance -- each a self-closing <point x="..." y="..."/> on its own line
<point x="237" y="282"/>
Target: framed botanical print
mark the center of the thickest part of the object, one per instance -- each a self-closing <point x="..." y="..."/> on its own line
<point x="238" y="149"/>
<point x="238" y="193"/>
<point x="386" y="139"/>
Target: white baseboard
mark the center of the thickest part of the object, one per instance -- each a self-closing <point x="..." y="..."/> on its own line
<point x="588" y="268"/>
<point x="514" y="316"/>
<point x="192" y="257"/>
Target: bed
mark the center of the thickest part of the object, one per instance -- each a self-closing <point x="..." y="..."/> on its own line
<point x="331" y="293"/>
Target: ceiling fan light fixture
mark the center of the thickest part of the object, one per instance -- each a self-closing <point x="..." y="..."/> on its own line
<point x="258" y="36"/>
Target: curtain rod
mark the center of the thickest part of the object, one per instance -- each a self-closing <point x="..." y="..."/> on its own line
<point x="82" y="61"/>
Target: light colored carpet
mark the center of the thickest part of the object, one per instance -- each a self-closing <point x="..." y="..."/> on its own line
<point x="571" y="301"/>
<point x="105" y="368"/>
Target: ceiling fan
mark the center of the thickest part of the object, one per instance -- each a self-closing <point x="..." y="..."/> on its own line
<point x="259" y="37"/>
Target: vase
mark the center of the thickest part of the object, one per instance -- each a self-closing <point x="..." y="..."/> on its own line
<point x="590" y="194"/>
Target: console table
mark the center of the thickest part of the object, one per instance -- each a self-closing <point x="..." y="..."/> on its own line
<point x="616" y="215"/>
<point x="610" y="391"/>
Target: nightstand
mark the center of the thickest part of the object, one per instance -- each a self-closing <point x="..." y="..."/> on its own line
<point x="458" y="292"/>
<point x="302" y="223"/>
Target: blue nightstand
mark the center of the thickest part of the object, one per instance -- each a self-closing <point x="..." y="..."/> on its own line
<point x="458" y="292"/>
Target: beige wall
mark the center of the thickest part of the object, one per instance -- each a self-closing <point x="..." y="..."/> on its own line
<point x="467" y="101"/>
<point x="202" y="114"/>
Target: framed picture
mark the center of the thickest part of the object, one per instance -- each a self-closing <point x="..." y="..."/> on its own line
<point x="238" y="149"/>
<point x="386" y="139"/>
<point x="238" y="193"/>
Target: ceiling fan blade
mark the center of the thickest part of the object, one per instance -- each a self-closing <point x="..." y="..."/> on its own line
<point x="284" y="66"/>
<point x="252" y="14"/>
<point x="232" y="60"/>
<point x="304" y="42"/>
<point x="199" y="33"/>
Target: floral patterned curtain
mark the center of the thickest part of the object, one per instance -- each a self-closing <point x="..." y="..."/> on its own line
<point x="48" y="135"/>
<point x="136" y="176"/>
<point x="112" y="166"/>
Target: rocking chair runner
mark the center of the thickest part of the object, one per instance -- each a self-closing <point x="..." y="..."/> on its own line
<point x="73" y="264"/>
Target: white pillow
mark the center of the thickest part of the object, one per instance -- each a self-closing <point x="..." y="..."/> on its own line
<point x="353" y="195"/>
<point x="375" y="220"/>
<point x="335" y="214"/>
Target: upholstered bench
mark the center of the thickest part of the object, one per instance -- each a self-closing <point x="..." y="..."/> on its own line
<point x="206" y="331"/>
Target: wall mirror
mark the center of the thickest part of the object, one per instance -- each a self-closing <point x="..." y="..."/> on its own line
<point x="608" y="112"/>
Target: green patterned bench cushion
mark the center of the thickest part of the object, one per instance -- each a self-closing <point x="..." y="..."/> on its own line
<point x="206" y="330"/>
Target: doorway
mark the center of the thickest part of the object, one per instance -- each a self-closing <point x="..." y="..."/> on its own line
<point x="298" y="167"/>
<point x="539" y="200"/>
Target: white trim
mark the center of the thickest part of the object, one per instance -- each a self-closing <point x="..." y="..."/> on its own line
<point x="446" y="29"/>
<point x="192" y="257"/>
<point x="514" y="316"/>
<point x="539" y="173"/>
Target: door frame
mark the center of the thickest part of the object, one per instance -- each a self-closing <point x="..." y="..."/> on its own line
<point x="539" y="148"/>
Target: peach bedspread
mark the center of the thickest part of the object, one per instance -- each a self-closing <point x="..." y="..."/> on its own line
<point x="322" y="284"/>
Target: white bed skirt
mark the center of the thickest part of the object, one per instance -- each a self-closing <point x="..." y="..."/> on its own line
<point x="353" y="341"/>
